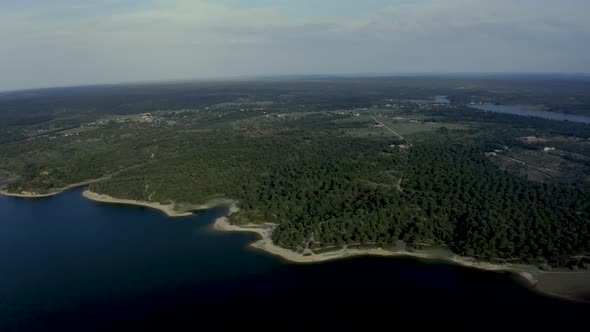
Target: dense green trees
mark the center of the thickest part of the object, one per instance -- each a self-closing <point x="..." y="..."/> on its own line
<point x="451" y="195"/>
<point x="299" y="167"/>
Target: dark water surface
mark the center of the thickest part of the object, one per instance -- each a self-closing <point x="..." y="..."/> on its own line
<point x="69" y="264"/>
<point x="527" y="111"/>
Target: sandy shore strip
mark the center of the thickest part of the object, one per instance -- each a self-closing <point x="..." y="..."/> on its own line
<point x="30" y="194"/>
<point x="169" y="210"/>
<point x="266" y="244"/>
<point x="532" y="276"/>
<point x="528" y="274"/>
<point x="53" y="192"/>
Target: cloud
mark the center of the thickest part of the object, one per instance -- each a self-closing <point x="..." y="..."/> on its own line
<point x="107" y="41"/>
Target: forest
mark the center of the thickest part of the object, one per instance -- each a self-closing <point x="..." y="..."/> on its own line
<point x="312" y="159"/>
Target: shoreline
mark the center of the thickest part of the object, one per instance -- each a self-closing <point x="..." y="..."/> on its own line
<point x="526" y="274"/>
<point x="529" y="275"/>
<point x="32" y="194"/>
<point x="169" y="210"/>
<point x="28" y="194"/>
<point x="265" y="243"/>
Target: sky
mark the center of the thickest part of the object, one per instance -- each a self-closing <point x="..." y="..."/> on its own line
<point x="73" y="42"/>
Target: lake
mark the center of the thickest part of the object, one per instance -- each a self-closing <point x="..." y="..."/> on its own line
<point x="70" y="264"/>
<point x="527" y="111"/>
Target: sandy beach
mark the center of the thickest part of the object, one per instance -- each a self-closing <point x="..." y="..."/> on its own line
<point x="170" y="210"/>
<point x="53" y="192"/>
<point x="266" y="244"/>
<point x="29" y="194"/>
<point x="556" y="284"/>
<point x="32" y="194"/>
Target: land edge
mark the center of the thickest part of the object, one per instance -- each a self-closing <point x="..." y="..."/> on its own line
<point x="266" y="244"/>
<point x="525" y="273"/>
<point x="53" y="192"/>
<point x="169" y="209"/>
<point x="32" y="194"/>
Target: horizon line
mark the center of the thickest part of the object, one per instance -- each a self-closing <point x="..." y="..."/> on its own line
<point x="295" y="77"/>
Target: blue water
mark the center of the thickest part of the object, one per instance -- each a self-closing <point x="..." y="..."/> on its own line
<point x="525" y="111"/>
<point x="69" y="264"/>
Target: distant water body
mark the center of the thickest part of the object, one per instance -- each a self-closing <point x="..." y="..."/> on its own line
<point x="526" y="111"/>
<point x="70" y="264"/>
